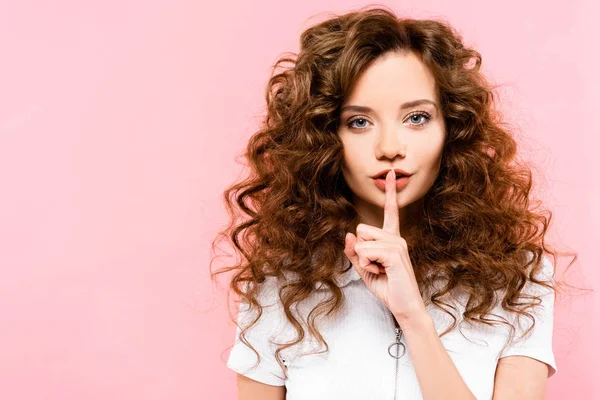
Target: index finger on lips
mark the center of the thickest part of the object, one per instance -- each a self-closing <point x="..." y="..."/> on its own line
<point x="390" y="212"/>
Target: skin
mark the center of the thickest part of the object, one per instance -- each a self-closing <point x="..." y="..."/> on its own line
<point x="390" y="137"/>
<point x="380" y="256"/>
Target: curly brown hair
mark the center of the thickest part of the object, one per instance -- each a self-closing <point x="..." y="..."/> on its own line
<point x="478" y="219"/>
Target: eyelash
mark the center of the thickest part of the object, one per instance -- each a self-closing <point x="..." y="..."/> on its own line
<point x="420" y="113"/>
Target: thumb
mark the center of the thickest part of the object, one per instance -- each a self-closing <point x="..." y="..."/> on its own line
<point x="351" y="240"/>
<point x="349" y="248"/>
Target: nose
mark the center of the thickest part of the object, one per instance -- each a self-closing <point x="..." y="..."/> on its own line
<point x="388" y="144"/>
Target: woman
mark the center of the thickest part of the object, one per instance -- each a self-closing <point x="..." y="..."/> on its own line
<point x="391" y="252"/>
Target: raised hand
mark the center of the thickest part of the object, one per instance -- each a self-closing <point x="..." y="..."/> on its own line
<point x="380" y="256"/>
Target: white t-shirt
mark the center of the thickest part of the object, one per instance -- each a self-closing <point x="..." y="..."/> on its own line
<point x="358" y="365"/>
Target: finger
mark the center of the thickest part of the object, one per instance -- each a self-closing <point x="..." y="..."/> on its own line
<point x="371" y="255"/>
<point x="355" y="258"/>
<point x="361" y="260"/>
<point x="349" y="249"/>
<point x="380" y="255"/>
<point x="361" y="263"/>
<point x="390" y="212"/>
<point x="366" y="232"/>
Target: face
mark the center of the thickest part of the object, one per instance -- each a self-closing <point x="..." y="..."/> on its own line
<point x="380" y="131"/>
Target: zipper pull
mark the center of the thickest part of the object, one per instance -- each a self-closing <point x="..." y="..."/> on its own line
<point x="397" y="344"/>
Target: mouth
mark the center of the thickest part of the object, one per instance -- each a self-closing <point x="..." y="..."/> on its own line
<point x="399" y="174"/>
<point x="401" y="182"/>
<point x="382" y="178"/>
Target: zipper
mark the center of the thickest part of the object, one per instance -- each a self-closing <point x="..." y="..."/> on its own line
<point x="397" y="354"/>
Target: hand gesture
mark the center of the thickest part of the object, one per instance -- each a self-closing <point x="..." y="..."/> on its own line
<point x="380" y="256"/>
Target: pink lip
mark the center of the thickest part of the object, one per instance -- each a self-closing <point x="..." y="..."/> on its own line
<point x="382" y="174"/>
<point x="400" y="183"/>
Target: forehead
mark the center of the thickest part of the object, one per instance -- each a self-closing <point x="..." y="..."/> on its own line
<point x="393" y="78"/>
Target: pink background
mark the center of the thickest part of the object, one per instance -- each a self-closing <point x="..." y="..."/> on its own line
<point x="119" y="126"/>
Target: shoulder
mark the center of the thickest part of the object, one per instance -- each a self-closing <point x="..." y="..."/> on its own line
<point x="266" y="294"/>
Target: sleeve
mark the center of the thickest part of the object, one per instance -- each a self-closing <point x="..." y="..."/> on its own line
<point x="242" y="358"/>
<point x="538" y="342"/>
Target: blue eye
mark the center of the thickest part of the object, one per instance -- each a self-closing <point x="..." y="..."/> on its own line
<point x="354" y="120"/>
<point x="421" y="116"/>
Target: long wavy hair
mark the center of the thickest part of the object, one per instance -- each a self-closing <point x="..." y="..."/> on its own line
<point x="292" y="212"/>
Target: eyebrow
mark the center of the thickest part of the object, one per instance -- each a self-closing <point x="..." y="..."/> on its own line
<point x="408" y="104"/>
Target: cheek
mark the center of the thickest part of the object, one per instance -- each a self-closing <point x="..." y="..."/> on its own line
<point x="352" y="157"/>
<point x="430" y="155"/>
<point x="347" y="171"/>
